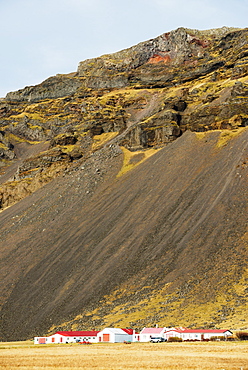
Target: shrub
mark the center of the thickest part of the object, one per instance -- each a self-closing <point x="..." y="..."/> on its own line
<point x="174" y="339"/>
<point x="217" y="338"/>
<point x="242" y="335"/>
<point x="230" y="338"/>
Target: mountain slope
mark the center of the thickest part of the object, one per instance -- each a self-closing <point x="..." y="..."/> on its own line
<point x="124" y="190"/>
<point x="175" y="226"/>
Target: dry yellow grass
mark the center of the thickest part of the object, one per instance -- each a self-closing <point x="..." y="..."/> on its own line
<point x="171" y="356"/>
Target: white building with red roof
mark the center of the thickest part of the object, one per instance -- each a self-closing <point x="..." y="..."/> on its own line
<point x="68" y="337"/>
<point x="197" y="334"/>
<point x="116" y="335"/>
<point x="147" y="333"/>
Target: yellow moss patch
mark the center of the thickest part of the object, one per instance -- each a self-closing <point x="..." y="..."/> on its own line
<point x="20" y="140"/>
<point x="227" y="135"/>
<point x="102" y="139"/>
<point x="3" y="146"/>
<point x="35" y="116"/>
<point x="127" y="163"/>
<point x="67" y="148"/>
<point x="244" y="79"/>
<point x="126" y="95"/>
<point x="224" y="137"/>
<point x="201" y="135"/>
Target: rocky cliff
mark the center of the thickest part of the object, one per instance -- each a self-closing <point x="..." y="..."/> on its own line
<point x="141" y="245"/>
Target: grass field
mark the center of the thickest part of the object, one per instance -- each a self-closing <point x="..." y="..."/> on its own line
<point x="183" y="356"/>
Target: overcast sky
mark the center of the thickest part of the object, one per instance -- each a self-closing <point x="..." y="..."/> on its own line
<point x="40" y="38"/>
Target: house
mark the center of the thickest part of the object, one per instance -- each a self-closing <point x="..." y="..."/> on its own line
<point x="147" y="333"/>
<point x="197" y="334"/>
<point x="68" y="337"/>
<point x="116" y="335"/>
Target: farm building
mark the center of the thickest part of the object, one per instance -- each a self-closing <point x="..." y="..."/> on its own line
<point x="116" y="335"/>
<point x="68" y="337"/>
<point x="193" y="334"/>
<point x="147" y="333"/>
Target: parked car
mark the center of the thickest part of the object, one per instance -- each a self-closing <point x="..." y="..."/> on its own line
<point x="157" y="339"/>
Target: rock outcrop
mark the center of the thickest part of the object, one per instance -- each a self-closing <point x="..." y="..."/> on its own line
<point x="52" y="88"/>
<point x="6" y="148"/>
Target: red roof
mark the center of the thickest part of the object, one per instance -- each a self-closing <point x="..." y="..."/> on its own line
<point x="129" y="331"/>
<point x="198" y="331"/>
<point x="177" y="330"/>
<point x="91" y="333"/>
<point x="203" y="331"/>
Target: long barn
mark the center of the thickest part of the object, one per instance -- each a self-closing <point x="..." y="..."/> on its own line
<point x="68" y="337"/>
<point x="197" y="334"/>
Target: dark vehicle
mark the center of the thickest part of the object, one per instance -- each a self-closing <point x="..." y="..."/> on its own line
<point x="157" y="340"/>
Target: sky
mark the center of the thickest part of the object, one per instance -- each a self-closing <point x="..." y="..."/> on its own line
<point x="41" y="38"/>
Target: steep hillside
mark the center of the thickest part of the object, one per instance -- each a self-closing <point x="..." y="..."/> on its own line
<point x="124" y="190"/>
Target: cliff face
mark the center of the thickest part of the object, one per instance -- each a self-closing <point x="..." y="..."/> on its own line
<point x="148" y="95"/>
<point x="140" y="248"/>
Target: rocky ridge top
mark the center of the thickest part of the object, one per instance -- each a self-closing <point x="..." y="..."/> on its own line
<point x="146" y="95"/>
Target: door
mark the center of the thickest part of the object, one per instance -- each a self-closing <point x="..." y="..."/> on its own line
<point x="106" y="337"/>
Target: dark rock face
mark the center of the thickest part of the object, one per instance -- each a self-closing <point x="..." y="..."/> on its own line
<point x="228" y="110"/>
<point x="53" y="87"/>
<point x="159" y="129"/>
<point x="64" y="139"/>
<point x="28" y="129"/>
<point x="6" y="148"/>
<point x="173" y="46"/>
<point x="122" y="68"/>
